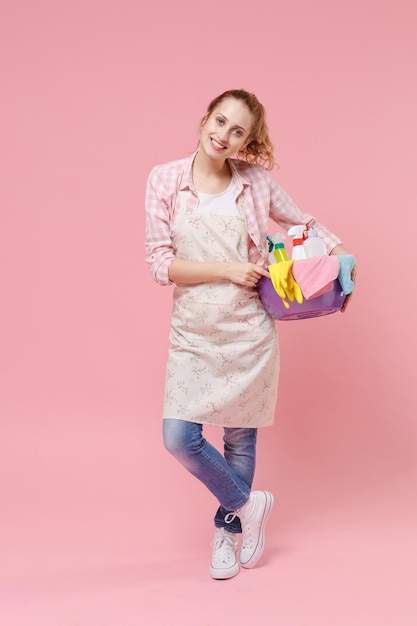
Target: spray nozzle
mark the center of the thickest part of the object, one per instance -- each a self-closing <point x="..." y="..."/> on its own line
<point x="276" y="248"/>
<point x="275" y="241"/>
<point x="297" y="232"/>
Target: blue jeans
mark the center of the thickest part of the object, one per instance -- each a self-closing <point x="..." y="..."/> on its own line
<point x="229" y="477"/>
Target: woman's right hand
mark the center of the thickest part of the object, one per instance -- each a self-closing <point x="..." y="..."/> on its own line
<point x="245" y="274"/>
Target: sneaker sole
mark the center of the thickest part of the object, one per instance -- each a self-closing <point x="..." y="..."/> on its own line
<point x="261" y="541"/>
<point x="224" y="574"/>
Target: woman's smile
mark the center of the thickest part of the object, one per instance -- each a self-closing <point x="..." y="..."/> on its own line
<point x="217" y="145"/>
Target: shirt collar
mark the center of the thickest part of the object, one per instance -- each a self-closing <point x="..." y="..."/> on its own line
<point x="187" y="176"/>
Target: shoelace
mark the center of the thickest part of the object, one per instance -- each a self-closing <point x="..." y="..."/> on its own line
<point x="223" y="542"/>
<point x="229" y="538"/>
<point x="248" y="540"/>
<point x="229" y="517"/>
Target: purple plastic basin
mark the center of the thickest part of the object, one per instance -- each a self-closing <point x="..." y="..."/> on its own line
<point x="327" y="303"/>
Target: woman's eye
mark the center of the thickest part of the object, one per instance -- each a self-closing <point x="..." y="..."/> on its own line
<point x="220" y="121"/>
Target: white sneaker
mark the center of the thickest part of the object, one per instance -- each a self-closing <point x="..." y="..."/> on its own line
<point x="253" y="517"/>
<point x="224" y="562"/>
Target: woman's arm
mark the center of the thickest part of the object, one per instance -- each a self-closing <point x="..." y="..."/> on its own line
<point x="158" y="244"/>
<point x="340" y="249"/>
<point x="192" y="272"/>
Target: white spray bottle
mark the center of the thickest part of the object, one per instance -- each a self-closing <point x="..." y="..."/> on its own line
<point x="297" y="233"/>
<point x="313" y="245"/>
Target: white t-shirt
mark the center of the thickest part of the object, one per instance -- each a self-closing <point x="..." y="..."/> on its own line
<point x="217" y="203"/>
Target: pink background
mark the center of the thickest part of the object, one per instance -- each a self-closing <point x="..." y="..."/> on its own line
<point x="94" y="527"/>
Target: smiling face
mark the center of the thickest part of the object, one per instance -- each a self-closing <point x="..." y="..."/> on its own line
<point x="226" y="130"/>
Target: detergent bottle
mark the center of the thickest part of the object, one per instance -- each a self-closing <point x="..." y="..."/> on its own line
<point x="297" y="233"/>
<point x="313" y="245"/>
<point x="276" y="248"/>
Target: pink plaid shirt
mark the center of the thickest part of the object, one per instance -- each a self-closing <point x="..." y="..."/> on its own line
<point x="262" y="197"/>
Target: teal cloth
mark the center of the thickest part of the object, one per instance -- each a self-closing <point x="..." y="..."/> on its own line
<point x="347" y="263"/>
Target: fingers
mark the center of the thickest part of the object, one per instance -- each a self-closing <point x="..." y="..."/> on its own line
<point x="252" y="280"/>
<point x="264" y="272"/>
<point x="260" y="271"/>
<point x="248" y="274"/>
<point x="346" y="303"/>
<point x="349" y="297"/>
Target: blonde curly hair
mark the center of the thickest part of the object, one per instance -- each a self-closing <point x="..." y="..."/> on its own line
<point x="259" y="148"/>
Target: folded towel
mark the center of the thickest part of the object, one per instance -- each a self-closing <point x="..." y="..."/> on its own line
<point x="315" y="275"/>
<point x="284" y="283"/>
<point x="347" y="263"/>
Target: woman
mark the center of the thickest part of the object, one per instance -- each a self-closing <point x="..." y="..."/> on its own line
<point x="207" y="222"/>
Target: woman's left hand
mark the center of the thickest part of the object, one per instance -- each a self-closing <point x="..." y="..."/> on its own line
<point x="349" y="297"/>
<point x="340" y="249"/>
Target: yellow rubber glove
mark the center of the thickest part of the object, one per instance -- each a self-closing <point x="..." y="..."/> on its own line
<point x="284" y="283"/>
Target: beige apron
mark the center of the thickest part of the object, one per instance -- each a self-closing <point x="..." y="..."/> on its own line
<point x="223" y="359"/>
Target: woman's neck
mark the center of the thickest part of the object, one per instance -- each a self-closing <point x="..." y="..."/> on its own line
<point x="209" y="175"/>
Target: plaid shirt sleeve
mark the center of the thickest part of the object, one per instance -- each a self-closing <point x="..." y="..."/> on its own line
<point x="266" y="200"/>
<point x="158" y="244"/>
<point x="285" y="212"/>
